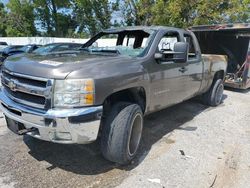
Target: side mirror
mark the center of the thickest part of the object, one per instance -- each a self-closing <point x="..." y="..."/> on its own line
<point x="178" y="55"/>
<point x="181" y="52"/>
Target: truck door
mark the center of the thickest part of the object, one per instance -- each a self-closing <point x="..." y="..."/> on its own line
<point x="193" y="73"/>
<point x="166" y="77"/>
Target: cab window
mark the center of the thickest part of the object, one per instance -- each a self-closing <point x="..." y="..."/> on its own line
<point x="192" y="53"/>
<point x="168" y="41"/>
<point x="129" y="41"/>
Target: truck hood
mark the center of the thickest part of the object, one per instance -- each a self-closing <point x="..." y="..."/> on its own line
<point x="59" y="66"/>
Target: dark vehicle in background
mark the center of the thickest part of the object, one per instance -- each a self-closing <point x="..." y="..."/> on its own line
<point x="105" y="90"/>
<point x="232" y="40"/>
<point x="57" y="47"/>
<point x="38" y="49"/>
<point x="8" y="51"/>
<point x="12" y="49"/>
<point x="3" y="45"/>
<point x="16" y="49"/>
<point x="29" y="48"/>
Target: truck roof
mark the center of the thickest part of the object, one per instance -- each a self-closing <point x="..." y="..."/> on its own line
<point x="145" y="28"/>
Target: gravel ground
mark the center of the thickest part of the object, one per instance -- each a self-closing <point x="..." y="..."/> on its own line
<point x="188" y="145"/>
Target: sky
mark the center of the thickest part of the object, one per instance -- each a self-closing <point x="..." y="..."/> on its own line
<point x="4" y="1"/>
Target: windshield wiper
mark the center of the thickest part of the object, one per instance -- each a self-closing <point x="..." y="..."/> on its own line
<point x="99" y="50"/>
<point x="84" y="49"/>
<point x="107" y="51"/>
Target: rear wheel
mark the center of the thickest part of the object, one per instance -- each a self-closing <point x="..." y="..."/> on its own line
<point x="121" y="133"/>
<point x="213" y="96"/>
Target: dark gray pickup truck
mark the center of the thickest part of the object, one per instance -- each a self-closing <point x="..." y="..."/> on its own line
<point x="105" y="88"/>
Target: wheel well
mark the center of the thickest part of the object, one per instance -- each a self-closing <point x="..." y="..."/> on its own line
<point x="219" y="75"/>
<point x="135" y="95"/>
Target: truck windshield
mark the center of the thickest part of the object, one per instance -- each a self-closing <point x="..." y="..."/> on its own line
<point x="131" y="43"/>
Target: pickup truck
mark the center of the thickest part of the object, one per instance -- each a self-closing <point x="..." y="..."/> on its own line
<point x="104" y="89"/>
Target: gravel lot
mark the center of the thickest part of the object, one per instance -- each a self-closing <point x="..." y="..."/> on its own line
<point x="188" y="145"/>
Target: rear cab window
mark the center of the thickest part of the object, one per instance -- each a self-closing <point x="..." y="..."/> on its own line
<point x="192" y="52"/>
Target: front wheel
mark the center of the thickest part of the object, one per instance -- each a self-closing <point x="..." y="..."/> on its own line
<point x="121" y="133"/>
<point x="214" y="95"/>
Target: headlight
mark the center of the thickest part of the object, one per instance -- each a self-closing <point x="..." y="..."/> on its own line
<point x="74" y="92"/>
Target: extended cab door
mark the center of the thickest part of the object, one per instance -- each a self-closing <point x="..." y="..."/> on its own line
<point x="167" y="78"/>
<point x="193" y="73"/>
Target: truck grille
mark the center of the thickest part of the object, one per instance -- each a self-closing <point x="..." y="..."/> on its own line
<point x="27" y="90"/>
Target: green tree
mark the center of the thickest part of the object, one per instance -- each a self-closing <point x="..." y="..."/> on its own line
<point x="184" y="13"/>
<point x="20" y="20"/>
<point x="66" y="25"/>
<point x="54" y="16"/>
<point x="2" y="20"/>
<point x="93" y="15"/>
<point x="211" y="12"/>
<point x="82" y="18"/>
<point x="240" y="11"/>
<point x="179" y="13"/>
<point x="222" y="12"/>
<point x="137" y="12"/>
<point x="245" y="12"/>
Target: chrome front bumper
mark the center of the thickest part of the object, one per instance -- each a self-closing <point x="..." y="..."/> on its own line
<point x="66" y="126"/>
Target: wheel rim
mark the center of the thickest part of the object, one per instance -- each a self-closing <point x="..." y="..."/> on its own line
<point x="135" y="134"/>
<point x="219" y="94"/>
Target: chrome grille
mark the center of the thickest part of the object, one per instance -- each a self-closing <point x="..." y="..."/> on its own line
<point x="27" y="90"/>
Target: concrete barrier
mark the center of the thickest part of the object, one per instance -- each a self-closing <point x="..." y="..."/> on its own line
<point x="47" y="40"/>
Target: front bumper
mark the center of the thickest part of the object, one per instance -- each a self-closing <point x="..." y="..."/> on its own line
<point x="66" y="126"/>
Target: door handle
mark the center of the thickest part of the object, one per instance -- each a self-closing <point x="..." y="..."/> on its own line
<point x="183" y="69"/>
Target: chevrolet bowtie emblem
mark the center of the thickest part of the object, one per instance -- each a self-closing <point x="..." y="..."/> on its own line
<point x="12" y="85"/>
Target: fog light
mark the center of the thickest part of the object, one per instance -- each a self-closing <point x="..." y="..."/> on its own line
<point x="63" y="136"/>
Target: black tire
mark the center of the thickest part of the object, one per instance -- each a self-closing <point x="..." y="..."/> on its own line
<point x="213" y="96"/>
<point x="121" y="133"/>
